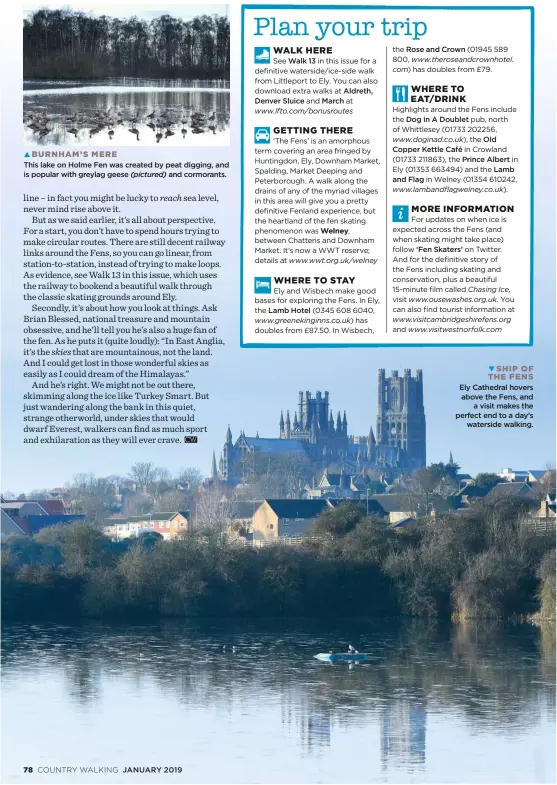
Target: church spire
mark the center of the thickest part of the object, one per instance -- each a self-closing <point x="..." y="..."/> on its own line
<point x="229" y="436"/>
<point x="344" y="425"/>
<point x="281" y="423"/>
<point x="214" y="473"/>
<point x="339" y="424"/>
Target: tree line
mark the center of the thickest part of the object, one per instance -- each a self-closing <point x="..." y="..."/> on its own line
<point x="483" y="563"/>
<point x="66" y="44"/>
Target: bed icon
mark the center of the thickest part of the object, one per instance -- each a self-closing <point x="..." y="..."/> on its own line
<point x="262" y="285"/>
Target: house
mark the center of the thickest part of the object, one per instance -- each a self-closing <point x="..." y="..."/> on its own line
<point x="28" y="517"/>
<point x="334" y="484"/>
<point x="19" y="509"/>
<point x="546" y="515"/>
<point x="242" y="517"/>
<point x="9" y="524"/>
<point x="31" y="524"/>
<point x="397" y="507"/>
<point x="510" y="490"/>
<point x="277" y="518"/>
<point x="50" y="506"/>
<point x="370" y="505"/>
<point x="400" y="507"/>
<point x="522" y="475"/>
<point x="168" y="524"/>
<point x="344" y="485"/>
<point x="467" y="495"/>
<point x="339" y="485"/>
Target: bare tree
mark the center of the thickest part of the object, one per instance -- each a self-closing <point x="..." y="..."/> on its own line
<point x="94" y="496"/>
<point x="277" y="476"/>
<point x="189" y="477"/>
<point x="137" y="504"/>
<point x="64" y="43"/>
<point x="214" y="511"/>
<point x="143" y="473"/>
<point x="430" y="486"/>
<point x="171" y="501"/>
<point x="546" y="484"/>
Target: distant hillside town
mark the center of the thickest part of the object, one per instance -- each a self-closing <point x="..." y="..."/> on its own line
<point x="253" y="513"/>
<point x="271" y="489"/>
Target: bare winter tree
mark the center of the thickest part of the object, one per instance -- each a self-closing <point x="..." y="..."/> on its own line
<point x="94" y="496"/>
<point x="430" y="485"/>
<point x="279" y="476"/>
<point x="63" y="43"/>
<point x="171" y="501"/>
<point x="214" y="511"/>
<point x="546" y="484"/>
<point x="137" y="504"/>
<point x="143" y="473"/>
<point x="190" y="478"/>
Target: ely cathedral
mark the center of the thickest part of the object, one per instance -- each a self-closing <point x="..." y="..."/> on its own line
<point x="398" y="445"/>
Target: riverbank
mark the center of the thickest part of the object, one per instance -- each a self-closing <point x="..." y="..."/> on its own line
<point x="463" y="566"/>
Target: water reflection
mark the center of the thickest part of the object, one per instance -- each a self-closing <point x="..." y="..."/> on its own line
<point x="403" y="726"/>
<point x="274" y="700"/>
<point x="126" y="112"/>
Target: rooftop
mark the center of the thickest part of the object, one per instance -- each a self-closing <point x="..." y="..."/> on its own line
<point x="243" y="510"/>
<point x="153" y="516"/>
<point x="274" y="445"/>
<point x="506" y="490"/>
<point x="297" y="508"/>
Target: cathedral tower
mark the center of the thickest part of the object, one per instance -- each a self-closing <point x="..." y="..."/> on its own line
<point x="400" y="415"/>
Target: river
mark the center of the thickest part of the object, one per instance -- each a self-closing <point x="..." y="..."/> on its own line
<point x="436" y="704"/>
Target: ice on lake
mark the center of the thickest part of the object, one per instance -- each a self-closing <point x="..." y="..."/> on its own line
<point x="126" y="112"/>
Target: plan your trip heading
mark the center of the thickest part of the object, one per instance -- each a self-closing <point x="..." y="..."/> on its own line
<point x="270" y="26"/>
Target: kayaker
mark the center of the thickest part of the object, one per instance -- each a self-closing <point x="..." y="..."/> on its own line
<point x="352" y="650"/>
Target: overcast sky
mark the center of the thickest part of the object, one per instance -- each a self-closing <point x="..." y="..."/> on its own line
<point x="133" y="9"/>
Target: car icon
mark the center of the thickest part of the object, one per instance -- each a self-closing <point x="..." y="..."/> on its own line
<point x="262" y="135"/>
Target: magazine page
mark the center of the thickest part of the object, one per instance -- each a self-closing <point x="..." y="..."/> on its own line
<point x="278" y="393"/>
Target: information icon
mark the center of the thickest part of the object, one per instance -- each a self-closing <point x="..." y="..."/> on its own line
<point x="400" y="213"/>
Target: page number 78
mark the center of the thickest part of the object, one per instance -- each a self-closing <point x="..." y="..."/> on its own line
<point x="27" y="769"/>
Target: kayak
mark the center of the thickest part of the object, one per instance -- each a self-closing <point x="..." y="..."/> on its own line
<point x="342" y="657"/>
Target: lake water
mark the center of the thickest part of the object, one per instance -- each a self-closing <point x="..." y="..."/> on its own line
<point x="435" y="704"/>
<point x="126" y="112"/>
